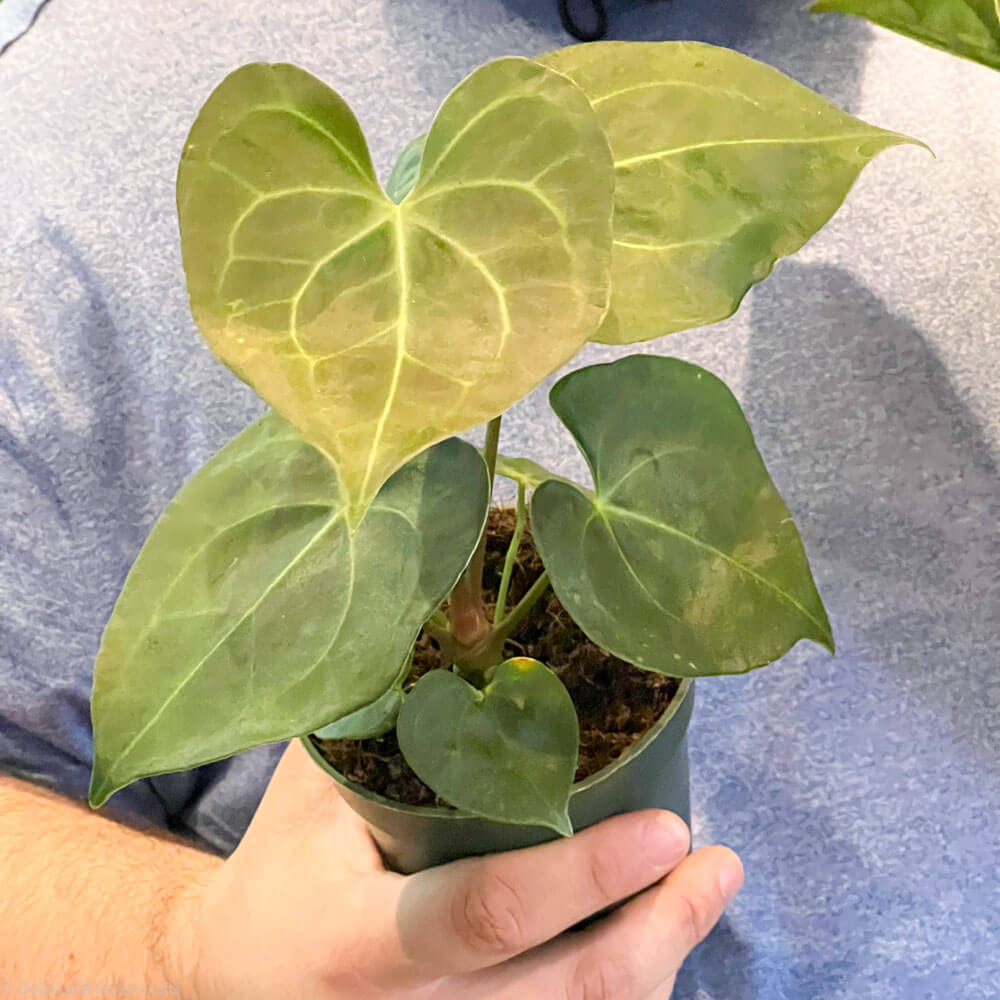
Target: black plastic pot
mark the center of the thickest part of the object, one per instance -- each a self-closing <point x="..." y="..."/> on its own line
<point x="652" y="774"/>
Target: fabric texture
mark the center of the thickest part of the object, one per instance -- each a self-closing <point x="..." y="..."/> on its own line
<point x="862" y="791"/>
<point x="16" y="16"/>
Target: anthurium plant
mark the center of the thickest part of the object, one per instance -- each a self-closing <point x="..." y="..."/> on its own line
<point x="613" y="192"/>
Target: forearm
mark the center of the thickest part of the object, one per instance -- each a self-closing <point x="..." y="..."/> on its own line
<point x="87" y="901"/>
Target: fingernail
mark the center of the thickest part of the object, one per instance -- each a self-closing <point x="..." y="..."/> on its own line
<point x="667" y="840"/>
<point x="731" y="879"/>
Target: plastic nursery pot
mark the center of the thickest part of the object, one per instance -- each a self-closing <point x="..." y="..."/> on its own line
<point x="651" y="774"/>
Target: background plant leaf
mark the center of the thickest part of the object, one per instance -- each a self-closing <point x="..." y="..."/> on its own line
<point x="969" y="28"/>
<point x="253" y="615"/>
<point x="723" y="166"/>
<point x="375" y="328"/>
<point x="507" y="752"/>
<point x="686" y="561"/>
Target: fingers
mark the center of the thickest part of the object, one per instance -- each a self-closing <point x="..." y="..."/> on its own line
<point x="479" y="912"/>
<point x="659" y="930"/>
<point x="636" y="952"/>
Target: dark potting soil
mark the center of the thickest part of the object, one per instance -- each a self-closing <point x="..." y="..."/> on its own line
<point x="616" y="703"/>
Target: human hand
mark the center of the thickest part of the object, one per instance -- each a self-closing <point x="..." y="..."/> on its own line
<point x="304" y="908"/>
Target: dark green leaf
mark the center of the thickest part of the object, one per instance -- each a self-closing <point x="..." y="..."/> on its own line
<point x="686" y="561"/>
<point x="253" y="614"/>
<point x="969" y="28"/>
<point x="506" y="753"/>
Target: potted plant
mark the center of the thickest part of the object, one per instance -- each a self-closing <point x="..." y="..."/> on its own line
<point x="327" y="575"/>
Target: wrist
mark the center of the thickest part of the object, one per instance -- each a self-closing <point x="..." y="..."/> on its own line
<point x="176" y="946"/>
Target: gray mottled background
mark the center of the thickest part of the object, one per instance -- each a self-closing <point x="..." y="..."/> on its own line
<point x="862" y="791"/>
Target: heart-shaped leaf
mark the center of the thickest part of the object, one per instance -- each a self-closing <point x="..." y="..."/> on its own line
<point x="506" y="753"/>
<point x="376" y="328"/>
<point x="969" y="28"/>
<point x="723" y="166"/>
<point x="253" y="614"/>
<point x="686" y="561"/>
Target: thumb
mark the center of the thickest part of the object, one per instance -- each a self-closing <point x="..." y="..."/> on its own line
<point x="302" y="801"/>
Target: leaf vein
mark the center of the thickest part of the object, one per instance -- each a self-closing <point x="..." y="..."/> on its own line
<point x="661" y="154"/>
<point x="705" y="546"/>
<point x="297" y="298"/>
<point x="700" y="87"/>
<point x="402" y="329"/>
<point x="488" y="276"/>
<point x="214" y="164"/>
<point x="222" y="640"/>
<point x="523" y="186"/>
<point x="315" y="125"/>
<point x="600" y="514"/>
<point x="667" y="247"/>
<point x="463" y="131"/>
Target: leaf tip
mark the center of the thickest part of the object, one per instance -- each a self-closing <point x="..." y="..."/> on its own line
<point x="902" y="139"/>
<point x="562" y="824"/>
<point x="100" y="790"/>
<point x="888" y="139"/>
<point x="823" y="635"/>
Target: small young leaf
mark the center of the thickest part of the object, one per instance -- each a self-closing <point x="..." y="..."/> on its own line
<point x="686" y="561"/>
<point x="969" y="28"/>
<point x="373" y="720"/>
<point x="253" y="614"/>
<point x="723" y="166"/>
<point x="406" y="170"/>
<point x="506" y="753"/>
<point x="376" y="328"/>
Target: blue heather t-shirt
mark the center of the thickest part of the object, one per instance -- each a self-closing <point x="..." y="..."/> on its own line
<point x="861" y="791"/>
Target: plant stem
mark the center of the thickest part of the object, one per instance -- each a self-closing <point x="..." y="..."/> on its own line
<point x="521" y="611"/>
<point x="472" y="663"/>
<point x="441" y="633"/>
<point x="491" y="447"/>
<point x="511" y="559"/>
<point x="469" y="624"/>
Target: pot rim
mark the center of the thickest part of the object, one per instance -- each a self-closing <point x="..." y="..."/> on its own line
<point x="682" y="693"/>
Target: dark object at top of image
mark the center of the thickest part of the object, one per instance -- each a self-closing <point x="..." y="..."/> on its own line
<point x="586" y="20"/>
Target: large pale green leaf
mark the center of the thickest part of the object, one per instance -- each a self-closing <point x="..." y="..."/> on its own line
<point x="507" y="752"/>
<point x="253" y="614"/>
<point x="969" y="28"/>
<point x="723" y="166"/>
<point x="376" y="328"/>
<point x="686" y="561"/>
